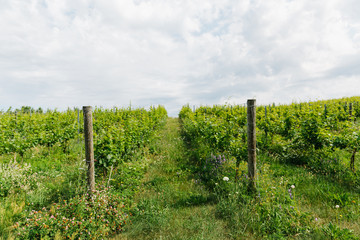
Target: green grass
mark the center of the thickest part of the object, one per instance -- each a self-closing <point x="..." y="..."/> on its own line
<point x="320" y="194"/>
<point x="172" y="205"/>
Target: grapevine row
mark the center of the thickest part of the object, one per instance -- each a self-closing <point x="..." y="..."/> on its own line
<point x="305" y="133"/>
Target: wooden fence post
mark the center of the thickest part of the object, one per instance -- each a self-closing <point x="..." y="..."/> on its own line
<point x="251" y="131"/>
<point x="78" y="123"/>
<point x="266" y="132"/>
<point x="89" y="148"/>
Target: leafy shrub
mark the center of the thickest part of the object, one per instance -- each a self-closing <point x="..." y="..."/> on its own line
<point x="82" y="217"/>
<point x="14" y="176"/>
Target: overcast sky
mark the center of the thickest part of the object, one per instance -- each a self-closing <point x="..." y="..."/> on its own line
<point x="67" y="53"/>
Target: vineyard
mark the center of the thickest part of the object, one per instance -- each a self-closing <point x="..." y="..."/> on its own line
<point x="303" y="134"/>
<point x="43" y="173"/>
<point x="151" y="169"/>
<point x="307" y="148"/>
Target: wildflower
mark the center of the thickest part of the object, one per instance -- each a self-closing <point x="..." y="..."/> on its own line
<point x="292" y="186"/>
<point x="226" y="179"/>
<point x="316" y="219"/>
<point x="337" y="206"/>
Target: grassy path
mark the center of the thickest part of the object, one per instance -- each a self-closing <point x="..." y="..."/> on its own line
<point x="171" y="205"/>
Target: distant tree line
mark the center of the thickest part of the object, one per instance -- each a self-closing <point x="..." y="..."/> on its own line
<point x="25" y="109"/>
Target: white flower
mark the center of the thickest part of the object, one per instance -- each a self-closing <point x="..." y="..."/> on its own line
<point x="226" y="179"/>
<point x="292" y="186"/>
<point x="337" y="206"/>
<point x="216" y="184"/>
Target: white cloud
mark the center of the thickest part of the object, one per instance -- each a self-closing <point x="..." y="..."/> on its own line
<point x="57" y="53"/>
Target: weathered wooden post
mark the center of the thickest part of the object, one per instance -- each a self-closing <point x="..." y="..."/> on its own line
<point x="251" y="125"/>
<point x="266" y="132"/>
<point x="89" y="148"/>
<point x="78" y="123"/>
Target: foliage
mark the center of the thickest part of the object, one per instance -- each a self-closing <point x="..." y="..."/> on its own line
<point x="21" y="132"/>
<point x="121" y="132"/>
<point x="80" y="217"/>
<point x="298" y="133"/>
<point x="48" y="182"/>
<point x="15" y="177"/>
<point x="306" y="134"/>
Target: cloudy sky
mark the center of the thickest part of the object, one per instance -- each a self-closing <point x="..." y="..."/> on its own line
<point x="67" y="53"/>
